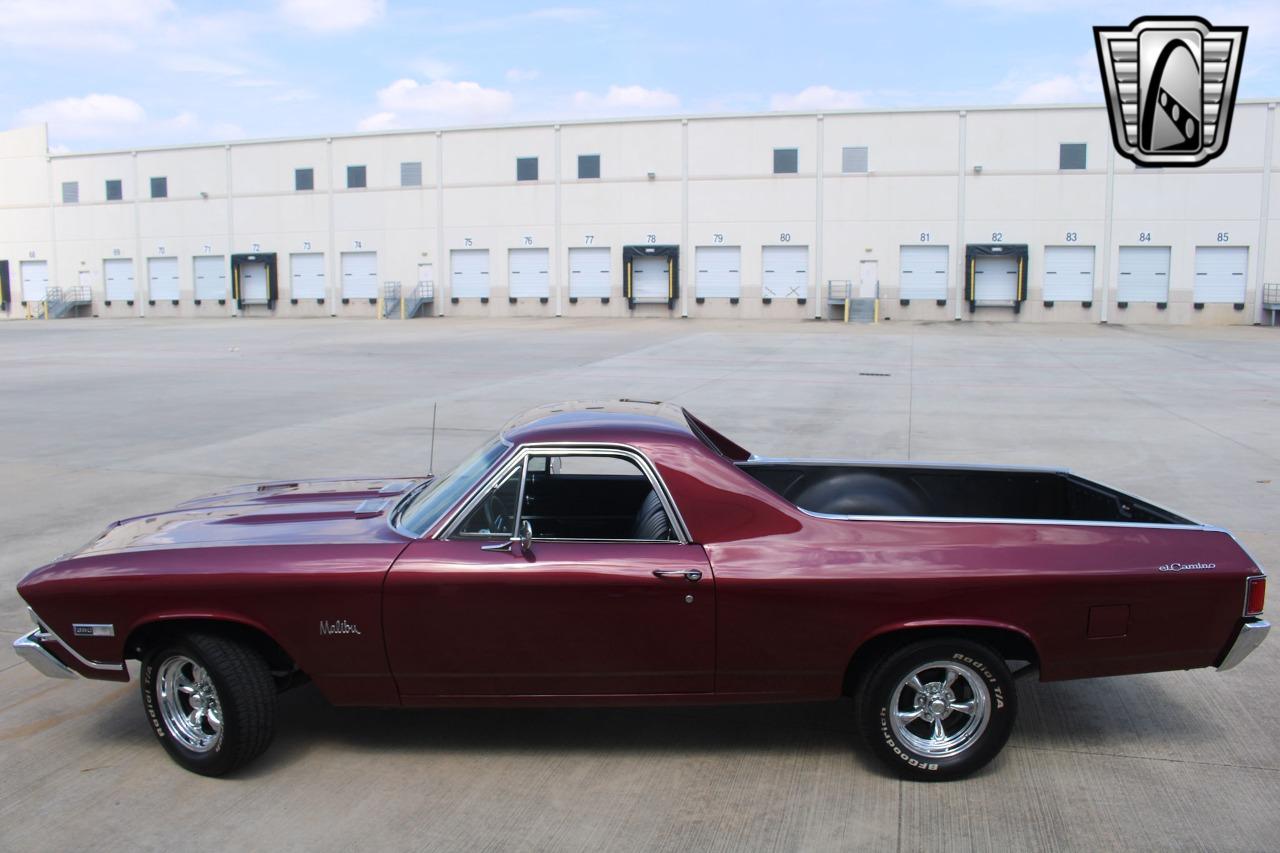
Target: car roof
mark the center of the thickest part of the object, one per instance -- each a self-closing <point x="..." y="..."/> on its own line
<point x="599" y="420"/>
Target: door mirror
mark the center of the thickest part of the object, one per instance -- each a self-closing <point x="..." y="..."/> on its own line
<point x="525" y="538"/>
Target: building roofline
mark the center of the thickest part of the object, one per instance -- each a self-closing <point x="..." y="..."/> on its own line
<point x="590" y="122"/>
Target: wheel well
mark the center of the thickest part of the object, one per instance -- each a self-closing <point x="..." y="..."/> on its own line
<point x="147" y="636"/>
<point x="1009" y="644"/>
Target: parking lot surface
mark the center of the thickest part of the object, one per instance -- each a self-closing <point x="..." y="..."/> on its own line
<point x="103" y="419"/>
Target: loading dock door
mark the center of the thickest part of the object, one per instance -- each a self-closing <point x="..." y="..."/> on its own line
<point x="253" y="283"/>
<point x="650" y="278"/>
<point x="786" y="272"/>
<point x="922" y="272"/>
<point x="470" y="273"/>
<point x="162" y="279"/>
<point x="719" y="272"/>
<point x="211" y="277"/>
<point x="1068" y="273"/>
<point x="1143" y="274"/>
<point x="118" y="273"/>
<point x="35" y="281"/>
<point x="306" y="276"/>
<point x="1220" y="274"/>
<point x="528" y="275"/>
<point x="995" y="278"/>
<point x="359" y="275"/>
<point x="589" y="272"/>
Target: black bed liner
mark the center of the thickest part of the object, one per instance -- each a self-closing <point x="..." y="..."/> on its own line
<point x="951" y="492"/>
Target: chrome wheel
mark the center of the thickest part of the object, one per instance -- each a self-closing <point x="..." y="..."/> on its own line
<point x="189" y="703"/>
<point x="941" y="709"/>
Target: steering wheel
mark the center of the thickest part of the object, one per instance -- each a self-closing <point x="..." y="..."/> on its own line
<point x="495" y="513"/>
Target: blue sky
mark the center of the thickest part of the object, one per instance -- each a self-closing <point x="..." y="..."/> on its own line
<point x="125" y="73"/>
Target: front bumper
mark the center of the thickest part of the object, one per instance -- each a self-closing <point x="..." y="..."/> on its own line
<point x="29" y="649"/>
<point x="1252" y="633"/>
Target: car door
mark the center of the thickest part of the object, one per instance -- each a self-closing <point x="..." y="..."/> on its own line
<point x="471" y="613"/>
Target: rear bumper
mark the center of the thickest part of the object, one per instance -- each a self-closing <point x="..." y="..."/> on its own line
<point x="29" y="649"/>
<point x="1252" y="633"/>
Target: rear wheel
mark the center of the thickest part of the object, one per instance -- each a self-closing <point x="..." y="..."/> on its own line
<point x="938" y="709"/>
<point x="211" y="702"/>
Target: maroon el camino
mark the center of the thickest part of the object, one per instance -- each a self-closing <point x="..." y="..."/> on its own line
<point x="629" y="554"/>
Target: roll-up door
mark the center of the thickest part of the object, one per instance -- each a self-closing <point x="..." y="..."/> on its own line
<point x="528" y="275"/>
<point x="1068" y="273"/>
<point x="589" y="272"/>
<point x="786" y="272"/>
<point x="922" y="272"/>
<point x="211" y="277"/>
<point x="1220" y="274"/>
<point x="118" y="273"/>
<point x="162" y="279"/>
<point x="719" y="272"/>
<point x="995" y="278"/>
<point x="35" y="281"/>
<point x="1143" y="274"/>
<point x="306" y="276"/>
<point x="254" y="288"/>
<point x="359" y="275"/>
<point x="651" y="278"/>
<point x="470" y="269"/>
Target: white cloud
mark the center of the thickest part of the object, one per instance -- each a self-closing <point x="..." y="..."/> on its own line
<point x="522" y="75"/>
<point x="327" y="16"/>
<point x="1081" y="84"/>
<point x="104" y="25"/>
<point x="432" y="69"/>
<point x="379" y="121"/>
<point x="550" y="14"/>
<point x="89" y="116"/>
<point x="626" y="100"/>
<point x="189" y="63"/>
<point x="817" y="98"/>
<point x="408" y="102"/>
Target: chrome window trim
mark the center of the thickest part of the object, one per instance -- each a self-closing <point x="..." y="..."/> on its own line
<point x="453" y="519"/>
<point x="395" y="513"/>
<point x="47" y="633"/>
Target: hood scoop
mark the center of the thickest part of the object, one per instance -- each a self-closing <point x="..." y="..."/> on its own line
<point x="372" y="507"/>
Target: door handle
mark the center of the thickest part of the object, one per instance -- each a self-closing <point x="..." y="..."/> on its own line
<point x="691" y="575"/>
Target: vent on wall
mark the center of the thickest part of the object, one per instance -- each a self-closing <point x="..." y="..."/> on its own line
<point x="854" y="159"/>
<point x="70" y="192"/>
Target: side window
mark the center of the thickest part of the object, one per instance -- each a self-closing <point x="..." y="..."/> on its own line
<point x="495" y="515"/>
<point x="593" y="496"/>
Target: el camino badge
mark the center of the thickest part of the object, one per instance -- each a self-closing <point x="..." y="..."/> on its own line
<point x="1187" y="567"/>
<point x="84" y="629"/>
<point x="340" y="626"/>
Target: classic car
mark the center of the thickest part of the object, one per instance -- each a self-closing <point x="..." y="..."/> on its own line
<point x="628" y="554"/>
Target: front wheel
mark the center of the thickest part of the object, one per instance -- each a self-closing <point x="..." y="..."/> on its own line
<point x="210" y="701"/>
<point x="937" y="709"/>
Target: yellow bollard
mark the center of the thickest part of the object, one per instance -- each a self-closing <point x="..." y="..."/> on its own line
<point x="846" y="309"/>
<point x="402" y="306"/>
<point x="380" y="316"/>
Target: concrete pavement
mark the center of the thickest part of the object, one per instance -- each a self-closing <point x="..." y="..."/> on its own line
<point x="102" y="419"/>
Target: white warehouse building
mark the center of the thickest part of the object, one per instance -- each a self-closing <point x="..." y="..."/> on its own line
<point x="1014" y="213"/>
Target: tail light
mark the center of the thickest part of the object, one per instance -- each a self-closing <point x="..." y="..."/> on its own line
<point x="1255" y="593"/>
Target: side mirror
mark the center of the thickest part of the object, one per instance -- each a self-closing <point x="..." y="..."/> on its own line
<point x="525" y="538"/>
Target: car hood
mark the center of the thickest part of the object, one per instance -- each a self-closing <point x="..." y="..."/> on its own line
<point x="294" y="512"/>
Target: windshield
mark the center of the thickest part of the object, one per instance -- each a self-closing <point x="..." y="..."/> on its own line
<point x="423" y="508"/>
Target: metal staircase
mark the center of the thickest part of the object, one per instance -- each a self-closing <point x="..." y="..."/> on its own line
<point x="395" y="304"/>
<point x="1271" y="300"/>
<point x="64" y="303"/>
<point x="424" y="294"/>
<point x="391" y="299"/>
<point x="849" y="307"/>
